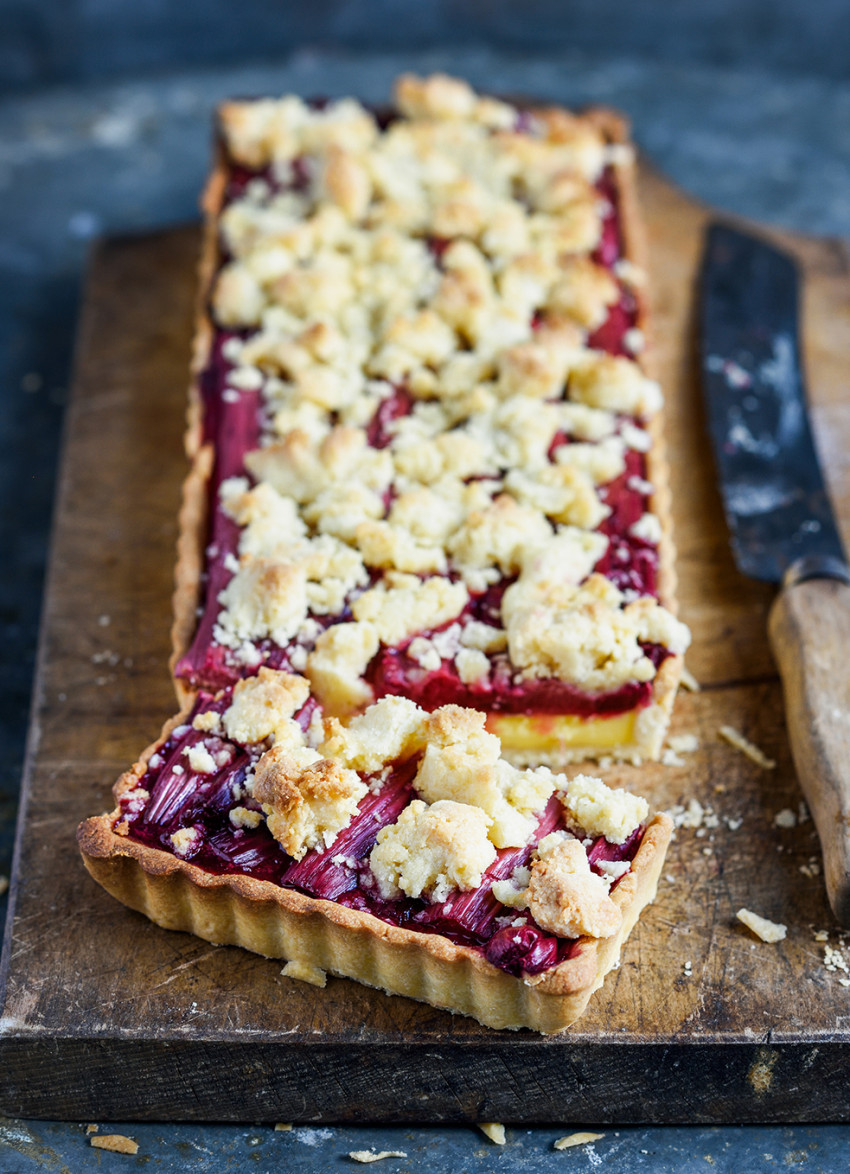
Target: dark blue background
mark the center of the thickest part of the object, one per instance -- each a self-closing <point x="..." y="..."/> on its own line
<point x="104" y="127"/>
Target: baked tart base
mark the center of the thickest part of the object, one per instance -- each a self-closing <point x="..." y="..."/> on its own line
<point x="314" y="935"/>
<point x="277" y="923"/>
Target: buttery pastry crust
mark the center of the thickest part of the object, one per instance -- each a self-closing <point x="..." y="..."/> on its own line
<point x="238" y="910"/>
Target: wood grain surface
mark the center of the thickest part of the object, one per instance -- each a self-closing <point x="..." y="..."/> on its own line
<point x="809" y="631"/>
<point x="106" y="1015"/>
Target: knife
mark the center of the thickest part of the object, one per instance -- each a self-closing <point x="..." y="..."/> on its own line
<point x="780" y="519"/>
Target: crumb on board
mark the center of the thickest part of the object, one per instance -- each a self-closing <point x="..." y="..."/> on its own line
<point x="689" y="681"/>
<point x="821" y="935"/>
<point x="573" y="1139"/>
<point x="812" y="869"/>
<point x="785" y="818"/>
<point x="493" y="1130"/>
<point x="90" y="1129"/>
<point x="694" y="816"/>
<point x="116" y="1142"/>
<point x="305" y="972"/>
<point x="736" y="738"/>
<point x="768" y="931"/>
<point x="834" y="960"/>
<point x="677" y="745"/>
<point x="283" y="1127"/>
<point x="375" y="1156"/>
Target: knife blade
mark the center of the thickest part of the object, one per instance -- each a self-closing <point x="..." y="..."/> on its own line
<point x="774" y="497"/>
<point x="782" y="528"/>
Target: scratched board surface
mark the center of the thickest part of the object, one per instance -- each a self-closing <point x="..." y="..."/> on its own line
<point x="106" y="1015"/>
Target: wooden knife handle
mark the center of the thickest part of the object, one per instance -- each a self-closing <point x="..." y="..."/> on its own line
<point x="809" y="630"/>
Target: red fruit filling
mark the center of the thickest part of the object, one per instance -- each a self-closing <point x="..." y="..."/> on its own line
<point x="180" y="797"/>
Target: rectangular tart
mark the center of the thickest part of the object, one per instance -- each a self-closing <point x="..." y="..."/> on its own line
<point x="400" y="850"/>
<point x="427" y="454"/>
<point x="424" y="544"/>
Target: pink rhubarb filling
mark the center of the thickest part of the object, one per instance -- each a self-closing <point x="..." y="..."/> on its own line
<point x="234" y="423"/>
<point x="170" y="796"/>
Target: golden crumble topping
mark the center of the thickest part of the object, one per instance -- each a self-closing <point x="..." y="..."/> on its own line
<point x="600" y="811"/>
<point x="432" y="850"/>
<point x="565" y="897"/>
<point x="263" y="706"/>
<point x="307" y="799"/>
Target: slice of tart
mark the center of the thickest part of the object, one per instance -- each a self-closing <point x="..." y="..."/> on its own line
<point x="427" y="450"/>
<point x="401" y="850"/>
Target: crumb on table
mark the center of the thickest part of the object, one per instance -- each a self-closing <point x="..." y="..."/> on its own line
<point x="572" y="1139"/>
<point x="116" y="1142"/>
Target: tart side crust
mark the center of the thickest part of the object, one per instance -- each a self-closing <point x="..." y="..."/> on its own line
<point x="195" y="502"/>
<point x="233" y="909"/>
<point x="193" y="525"/>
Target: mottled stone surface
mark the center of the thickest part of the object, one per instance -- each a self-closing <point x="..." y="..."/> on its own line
<point x="26" y="1147"/>
<point x="131" y="156"/>
<point x="47" y="41"/>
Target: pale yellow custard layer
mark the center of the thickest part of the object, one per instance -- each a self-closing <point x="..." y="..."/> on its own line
<point x="546" y="733"/>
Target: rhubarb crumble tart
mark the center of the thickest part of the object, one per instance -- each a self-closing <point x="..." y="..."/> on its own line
<point x="427" y="453"/>
<point x="400" y="849"/>
<point x="424" y="560"/>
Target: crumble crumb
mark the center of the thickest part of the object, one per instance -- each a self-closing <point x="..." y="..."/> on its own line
<point x="821" y="935"/>
<point x="307" y="799"/>
<point x="433" y="850"/>
<point x="283" y="1127"/>
<point x="573" y="1139"/>
<point x="184" y="840"/>
<point x="336" y="665"/>
<point x="90" y="1129"/>
<point x="785" y="818"/>
<point x="768" y="931"/>
<point x="245" y="817"/>
<point x="375" y="1156"/>
<point x="493" y="1130"/>
<point x="208" y="722"/>
<point x="200" y="759"/>
<point x="689" y="681"/>
<point x="601" y="810"/>
<point x="116" y="1142"/>
<point x="305" y="972"/>
<point x="564" y="896"/>
<point x="683" y="743"/>
<point x="736" y="738"/>
<point x="263" y="706"/>
<point x="834" y="960"/>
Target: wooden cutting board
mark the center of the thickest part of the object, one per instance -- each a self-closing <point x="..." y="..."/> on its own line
<point x="108" y="1016"/>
